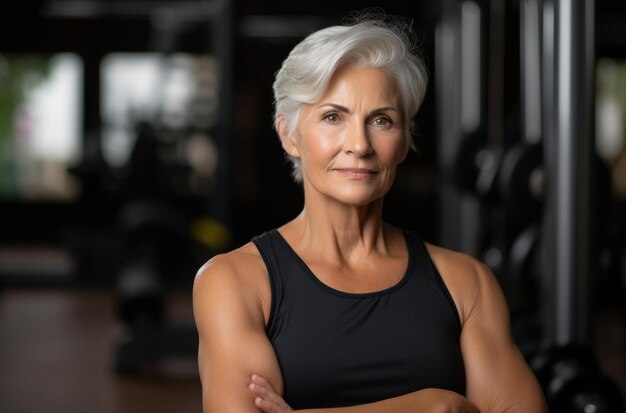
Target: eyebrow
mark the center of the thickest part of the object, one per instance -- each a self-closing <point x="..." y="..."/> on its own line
<point x="344" y="109"/>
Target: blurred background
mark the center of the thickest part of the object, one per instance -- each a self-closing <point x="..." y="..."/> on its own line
<point x="136" y="142"/>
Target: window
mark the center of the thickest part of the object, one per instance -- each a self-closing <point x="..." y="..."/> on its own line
<point x="611" y="119"/>
<point x="177" y="93"/>
<point x="40" y="125"/>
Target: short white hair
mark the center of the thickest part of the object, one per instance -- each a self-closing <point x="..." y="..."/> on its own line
<point x="307" y="71"/>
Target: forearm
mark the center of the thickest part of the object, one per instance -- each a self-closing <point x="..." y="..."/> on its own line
<point x="427" y="400"/>
<point x="401" y="404"/>
<point x="513" y="388"/>
<point x="537" y="406"/>
<point x="430" y="400"/>
<point x="525" y="399"/>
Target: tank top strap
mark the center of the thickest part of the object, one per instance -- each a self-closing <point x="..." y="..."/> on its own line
<point x="269" y="249"/>
<point x="425" y="265"/>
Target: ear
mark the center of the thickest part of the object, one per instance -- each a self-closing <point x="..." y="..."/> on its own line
<point x="286" y="140"/>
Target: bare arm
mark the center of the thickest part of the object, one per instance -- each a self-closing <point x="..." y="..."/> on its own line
<point x="230" y="317"/>
<point x="498" y="378"/>
<point x="427" y="400"/>
<point x="230" y="322"/>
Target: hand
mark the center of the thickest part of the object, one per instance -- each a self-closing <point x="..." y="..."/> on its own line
<point x="446" y="401"/>
<point x="265" y="397"/>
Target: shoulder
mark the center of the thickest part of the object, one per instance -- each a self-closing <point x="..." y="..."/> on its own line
<point x="470" y="281"/>
<point x="231" y="266"/>
<point x="468" y="268"/>
<point x="237" y="278"/>
<point x="236" y="266"/>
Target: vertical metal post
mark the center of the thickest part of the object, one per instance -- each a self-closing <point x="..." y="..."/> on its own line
<point x="471" y="68"/>
<point x="570" y="158"/>
<point x="549" y="150"/>
<point x="447" y="92"/>
<point x="222" y="45"/>
<point x="458" y="89"/>
<point x="530" y="57"/>
<point x="495" y="67"/>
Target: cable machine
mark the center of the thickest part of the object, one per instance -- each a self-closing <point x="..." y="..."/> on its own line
<point x="161" y="217"/>
<point x="523" y="201"/>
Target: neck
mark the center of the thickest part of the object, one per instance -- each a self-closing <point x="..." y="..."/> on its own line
<point x="338" y="232"/>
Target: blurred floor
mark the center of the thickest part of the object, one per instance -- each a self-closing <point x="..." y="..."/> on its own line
<point x="57" y="352"/>
<point x="56" y="355"/>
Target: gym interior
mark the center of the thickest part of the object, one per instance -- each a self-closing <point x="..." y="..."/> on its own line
<point x="136" y="142"/>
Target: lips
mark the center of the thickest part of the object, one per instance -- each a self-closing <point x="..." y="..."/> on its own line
<point x="357" y="173"/>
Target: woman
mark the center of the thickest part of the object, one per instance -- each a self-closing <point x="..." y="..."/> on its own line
<point x="337" y="309"/>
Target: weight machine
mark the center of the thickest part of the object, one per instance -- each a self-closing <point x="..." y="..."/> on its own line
<point x="525" y="205"/>
<point x="150" y="338"/>
<point x="161" y="219"/>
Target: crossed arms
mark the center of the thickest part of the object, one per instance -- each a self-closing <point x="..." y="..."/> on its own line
<point x="231" y="307"/>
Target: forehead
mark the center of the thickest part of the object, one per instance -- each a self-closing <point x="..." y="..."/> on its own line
<point x="353" y="84"/>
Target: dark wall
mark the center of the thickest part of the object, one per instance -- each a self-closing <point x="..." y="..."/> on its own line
<point x="262" y="193"/>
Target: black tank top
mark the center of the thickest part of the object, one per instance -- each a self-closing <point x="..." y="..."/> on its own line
<point x="340" y="349"/>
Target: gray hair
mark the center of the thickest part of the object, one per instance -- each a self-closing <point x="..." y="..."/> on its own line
<point x="307" y="71"/>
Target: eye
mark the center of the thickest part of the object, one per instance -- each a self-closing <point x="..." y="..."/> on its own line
<point x="383" y="121"/>
<point x="331" y="117"/>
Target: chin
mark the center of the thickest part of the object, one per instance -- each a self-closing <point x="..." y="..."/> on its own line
<point x="359" y="198"/>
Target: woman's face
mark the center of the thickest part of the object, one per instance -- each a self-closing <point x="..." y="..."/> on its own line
<point x="351" y="142"/>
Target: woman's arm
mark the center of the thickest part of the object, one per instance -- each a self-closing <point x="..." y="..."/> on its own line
<point x="498" y="378"/>
<point x="427" y="401"/>
<point x="230" y="320"/>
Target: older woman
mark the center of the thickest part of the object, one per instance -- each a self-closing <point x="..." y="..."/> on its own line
<point x="336" y="309"/>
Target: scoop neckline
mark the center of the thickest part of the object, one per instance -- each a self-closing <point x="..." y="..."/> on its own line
<point x="326" y="287"/>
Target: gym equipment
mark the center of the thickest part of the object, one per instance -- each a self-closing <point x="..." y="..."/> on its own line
<point x="466" y="167"/>
<point x="567" y="371"/>
<point x="461" y="101"/>
<point x="521" y="181"/>
<point x="163" y="219"/>
<point x="155" y="234"/>
<point x="532" y="204"/>
<point x="477" y="167"/>
<point x="573" y="383"/>
<point x="523" y="266"/>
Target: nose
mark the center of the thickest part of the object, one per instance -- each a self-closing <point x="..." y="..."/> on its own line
<point x="357" y="142"/>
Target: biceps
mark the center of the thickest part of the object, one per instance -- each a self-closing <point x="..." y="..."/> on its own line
<point x="226" y="368"/>
<point x="498" y="378"/>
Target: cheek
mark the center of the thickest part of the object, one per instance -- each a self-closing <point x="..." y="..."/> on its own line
<point x="319" y="143"/>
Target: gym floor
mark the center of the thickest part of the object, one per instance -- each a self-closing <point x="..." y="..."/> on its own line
<point x="57" y="349"/>
<point x="57" y="352"/>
